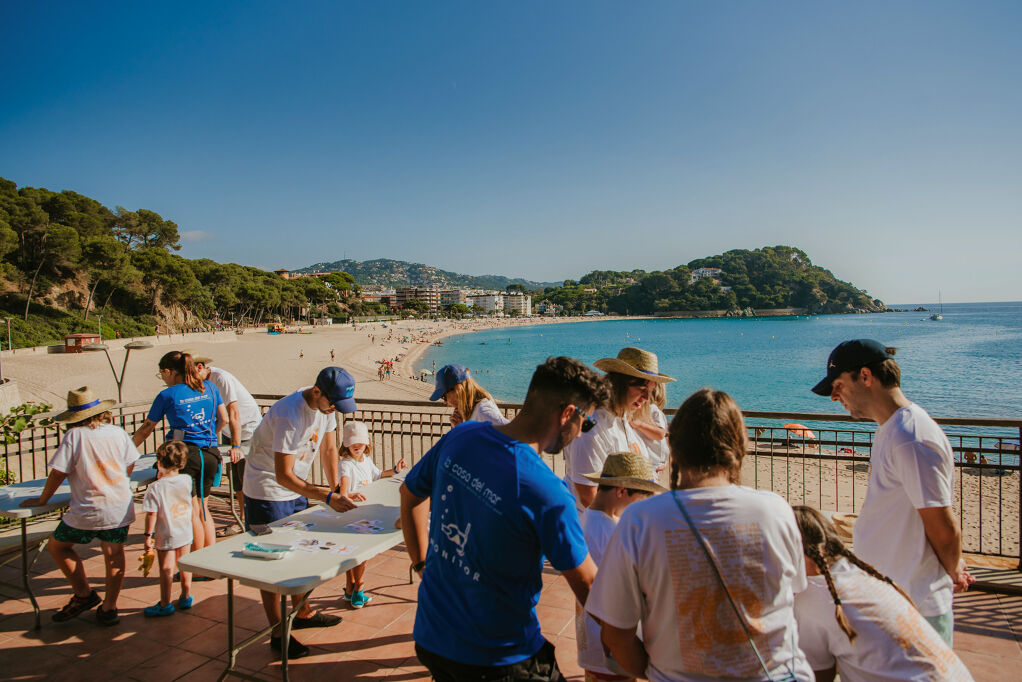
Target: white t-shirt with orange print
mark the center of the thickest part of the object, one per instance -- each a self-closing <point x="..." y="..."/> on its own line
<point x="654" y="573"/>
<point x="894" y="642"/>
<point x="171" y="498"/>
<point x="96" y="462"/>
<point x="290" y="427"/>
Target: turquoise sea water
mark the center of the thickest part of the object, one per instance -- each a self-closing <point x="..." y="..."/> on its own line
<point x="968" y="365"/>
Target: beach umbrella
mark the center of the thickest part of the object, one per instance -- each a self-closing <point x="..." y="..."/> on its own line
<point x="800" y="430"/>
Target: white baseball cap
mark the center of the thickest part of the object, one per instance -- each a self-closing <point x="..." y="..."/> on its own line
<point x="354" y="433"/>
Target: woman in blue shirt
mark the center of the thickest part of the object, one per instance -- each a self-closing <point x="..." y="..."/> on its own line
<point x="195" y="413"/>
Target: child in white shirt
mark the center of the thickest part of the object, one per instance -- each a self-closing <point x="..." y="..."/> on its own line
<point x="854" y="621"/>
<point x="357" y="471"/>
<point x="168" y="524"/>
<point x="626" y="478"/>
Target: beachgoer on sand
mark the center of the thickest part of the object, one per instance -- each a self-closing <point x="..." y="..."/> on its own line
<point x="906" y="527"/>
<point x="168" y="525"/>
<point x="296" y="429"/>
<point x="689" y="628"/>
<point x="631" y="375"/>
<point x="96" y="458"/>
<point x="496" y="513"/>
<point x="456" y="387"/>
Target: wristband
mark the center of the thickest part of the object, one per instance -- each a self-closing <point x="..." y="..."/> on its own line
<point x="419" y="566"/>
<point x="150" y="535"/>
<point x="328" y="495"/>
<point x="395" y="469"/>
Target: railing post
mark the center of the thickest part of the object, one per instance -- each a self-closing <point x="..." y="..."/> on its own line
<point x="1019" y="485"/>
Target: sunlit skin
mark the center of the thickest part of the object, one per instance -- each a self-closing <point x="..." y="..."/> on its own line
<point x="639" y="395"/>
<point x="853" y="395"/>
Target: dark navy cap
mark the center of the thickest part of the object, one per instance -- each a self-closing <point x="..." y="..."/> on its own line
<point x="339" y="388"/>
<point x="447" y="378"/>
<point x="848" y="356"/>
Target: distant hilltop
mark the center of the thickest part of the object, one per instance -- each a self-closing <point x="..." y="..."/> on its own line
<point x="397" y="273"/>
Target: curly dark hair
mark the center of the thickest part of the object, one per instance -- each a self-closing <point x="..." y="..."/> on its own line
<point x="564" y="381"/>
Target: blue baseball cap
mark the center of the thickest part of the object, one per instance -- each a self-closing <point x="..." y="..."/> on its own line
<point x="850" y="356"/>
<point x="339" y="388"/>
<point x="447" y="378"/>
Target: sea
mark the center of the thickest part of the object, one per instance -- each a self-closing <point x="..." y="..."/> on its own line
<point x="967" y="365"/>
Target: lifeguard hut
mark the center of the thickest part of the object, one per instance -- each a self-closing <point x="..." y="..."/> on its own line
<point x="73" y="343"/>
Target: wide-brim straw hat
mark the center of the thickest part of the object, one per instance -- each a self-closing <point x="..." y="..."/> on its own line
<point x="198" y="357"/>
<point x="83" y="403"/>
<point x="627" y="470"/>
<point x="634" y="362"/>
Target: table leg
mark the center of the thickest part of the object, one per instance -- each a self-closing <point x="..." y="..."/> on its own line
<point x="233" y="498"/>
<point x="24" y="573"/>
<point x="230" y="625"/>
<point x="285" y="635"/>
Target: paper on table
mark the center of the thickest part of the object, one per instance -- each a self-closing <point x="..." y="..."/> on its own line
<point x="366" y="526"/>
<point x="297" y="525"/>
<point x="317" y="545"/>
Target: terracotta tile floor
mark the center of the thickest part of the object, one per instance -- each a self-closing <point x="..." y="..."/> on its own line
<point x="374" y="643"/>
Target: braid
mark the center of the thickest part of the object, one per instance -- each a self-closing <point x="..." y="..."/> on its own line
<point x="848" y="554"/>
<point x="816" y="555"/>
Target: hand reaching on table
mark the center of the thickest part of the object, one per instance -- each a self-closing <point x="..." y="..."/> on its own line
<point x="343" y="503"/>
<point x="32" y="502"/>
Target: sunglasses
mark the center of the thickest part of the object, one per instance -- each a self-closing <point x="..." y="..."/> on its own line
<point x="587" y="422"/>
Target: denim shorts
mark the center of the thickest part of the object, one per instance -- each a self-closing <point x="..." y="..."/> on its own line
<point x="77" y="536"/>
<point x="267" y="511"/>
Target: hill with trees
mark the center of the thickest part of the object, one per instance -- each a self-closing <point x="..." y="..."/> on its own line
<point x="397" y="273"/>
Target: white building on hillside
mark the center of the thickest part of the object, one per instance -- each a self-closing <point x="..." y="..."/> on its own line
<point x="518" y="304"/>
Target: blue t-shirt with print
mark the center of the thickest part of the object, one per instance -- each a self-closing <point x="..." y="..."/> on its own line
<point x="496" y="511"/>
<point x="188" y="411"/>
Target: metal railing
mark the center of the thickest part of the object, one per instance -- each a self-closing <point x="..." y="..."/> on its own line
<point x="827" y="469"/>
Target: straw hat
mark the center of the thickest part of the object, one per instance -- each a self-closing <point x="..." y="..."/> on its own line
<point x="627" y="470"/>
<point x="83" y="403"/>
<point x="634" y="362"/>
<point x="196" y="358"/>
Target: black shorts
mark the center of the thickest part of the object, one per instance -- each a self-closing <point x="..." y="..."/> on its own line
<point x="540" y="667"/>
<point x="201" y="466"/>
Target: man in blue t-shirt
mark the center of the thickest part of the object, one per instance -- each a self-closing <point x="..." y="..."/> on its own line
<point x="496" y="512"/>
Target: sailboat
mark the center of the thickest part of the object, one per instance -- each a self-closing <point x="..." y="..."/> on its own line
<point x="939" y="315"/>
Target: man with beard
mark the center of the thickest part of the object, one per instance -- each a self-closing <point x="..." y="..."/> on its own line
<point x="496" y="512"/>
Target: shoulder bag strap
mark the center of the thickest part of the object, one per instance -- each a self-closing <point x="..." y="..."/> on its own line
<point x="720" y="579"/>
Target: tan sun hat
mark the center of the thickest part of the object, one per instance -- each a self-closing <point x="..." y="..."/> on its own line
<point x="634" y="362"/>
<point x="627" y="470"/>
<point x="83" y="403"/>
<point x="197" y="358"/>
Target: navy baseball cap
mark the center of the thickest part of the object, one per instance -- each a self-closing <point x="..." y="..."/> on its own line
<point x="339" y="388"/>
<point x="848" y="356"/>
<point x="447" y="378"/>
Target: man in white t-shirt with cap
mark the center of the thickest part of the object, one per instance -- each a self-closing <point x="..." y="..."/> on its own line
<point x="243" y="416"/>
<point x="906" y="527"/>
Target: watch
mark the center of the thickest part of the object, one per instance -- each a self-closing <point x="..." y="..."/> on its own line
<point x="419" y="566"/>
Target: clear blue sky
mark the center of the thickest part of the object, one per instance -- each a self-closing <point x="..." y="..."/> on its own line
<point x="539" y="139"/>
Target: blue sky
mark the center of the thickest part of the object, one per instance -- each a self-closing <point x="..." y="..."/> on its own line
<point x="539" y="139"/>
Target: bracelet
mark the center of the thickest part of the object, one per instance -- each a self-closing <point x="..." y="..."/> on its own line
<point x="419" y="566"/>
<point x="150" y="535"/>
<point x="328" y="495"/>
<point x="395" y="469"/>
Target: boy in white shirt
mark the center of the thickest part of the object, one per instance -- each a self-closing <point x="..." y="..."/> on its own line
<point x="358" y="470"/>
<point x="626" y="478"/>
<point x="96" y="458"/>
<point x="168" y="524"/>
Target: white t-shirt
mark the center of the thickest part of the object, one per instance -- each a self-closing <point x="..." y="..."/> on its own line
<point x="654" y="573"/>
<point x="893" y="640"/>
<point x="96" y="462"/>
<point x="232" y="391"/>
<point x="911" y="469"/>
<point x="360" y="474"/>
<point x="171" y="498"/>
<point x="487" y="411"/>
<point x="598" y="527"/>
<point x="587" y="453"/>
<point x="290" y="427"/>
<point x="659" y="450"/>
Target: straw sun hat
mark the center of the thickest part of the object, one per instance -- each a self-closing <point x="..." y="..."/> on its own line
<point x="627" y="470"/>
<point x="634" y="362"/>
<point x="83" y="403"/>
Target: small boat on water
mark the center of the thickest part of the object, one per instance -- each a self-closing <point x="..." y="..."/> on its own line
<point x="938" y="316"/>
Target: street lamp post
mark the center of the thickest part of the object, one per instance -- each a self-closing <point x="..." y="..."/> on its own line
<point x="134" y="345"/>
<point x="9" y="347"/>
<point x="101" y="332"/>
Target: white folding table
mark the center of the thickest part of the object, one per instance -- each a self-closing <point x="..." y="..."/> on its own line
<point x="12" y="495"/>
<point x="300" y="571"/>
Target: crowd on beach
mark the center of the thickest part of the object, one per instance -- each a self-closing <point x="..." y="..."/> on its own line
<point x="705" y="580"/>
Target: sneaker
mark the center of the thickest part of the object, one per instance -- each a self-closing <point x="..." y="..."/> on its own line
<point x="317" y="620"/>
<point x="76" y="606"/>
<point x="360" y="599"/>
<point x="295" y="649"/>
<point x="346" y="596"/>
<point x="107" y="617"/>
<point x="184" y="603"/>
<point x="158" y="609"/>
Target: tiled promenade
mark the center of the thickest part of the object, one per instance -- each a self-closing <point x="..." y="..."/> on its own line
<point x="374" y="643"/>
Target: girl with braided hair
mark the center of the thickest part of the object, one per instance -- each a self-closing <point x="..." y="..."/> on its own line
<point x="855" y="621"/>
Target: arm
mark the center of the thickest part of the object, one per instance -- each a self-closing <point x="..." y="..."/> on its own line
<point x="234" y="422"/>
<point x="398" y="468"/>
<point x="626" y="648"/>
<point x="328" y="458"/>
<point x="649" y="429"/>
<point x="586" y="493"/>
<point x="414" y="520"/>
<point x="221" y="418"/>
<point x="143" y="432"/>
<point x="944" y="535"/>
<point x="284" y="470"/>
<point x="53" y="482"/>
<point x="580" y="579"/>
<point x="344" y="487"/>
<point x="150" y="525"/>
